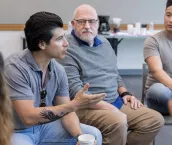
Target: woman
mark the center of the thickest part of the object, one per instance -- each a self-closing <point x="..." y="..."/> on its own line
<point x="5" y="110"/>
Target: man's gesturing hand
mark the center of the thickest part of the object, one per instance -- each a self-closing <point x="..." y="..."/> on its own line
<point x="84" y="100"/>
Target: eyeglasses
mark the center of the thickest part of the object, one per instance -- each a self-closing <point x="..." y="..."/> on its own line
<point x="43" y="95"/>
<point x="82" y="22"/>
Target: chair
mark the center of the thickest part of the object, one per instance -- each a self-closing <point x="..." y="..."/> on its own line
<point x="145" y="70"/>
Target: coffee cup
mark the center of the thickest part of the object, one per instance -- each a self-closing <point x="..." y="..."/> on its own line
<point x="86" y="139"/>
<point x="129" y="28"/>
<point x="138" y="27"/>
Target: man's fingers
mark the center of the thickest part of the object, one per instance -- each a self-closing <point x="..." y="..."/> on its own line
<point x="97" y="96"/>
<point x="132" y="102"/>
<point x="139" y="103"/>
<point x="125" y="100"/>
<point x="85" y="88"/>
<point x="136" y="103"/>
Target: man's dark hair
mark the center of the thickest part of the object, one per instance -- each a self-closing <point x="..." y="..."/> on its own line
<point x="169" y="3"/>
<point x="40" y="28"/>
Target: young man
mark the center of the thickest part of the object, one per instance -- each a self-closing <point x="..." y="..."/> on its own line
<point x="38" y="88"/>
<point x="157" y="54"/>
<point x="90" y="58"/>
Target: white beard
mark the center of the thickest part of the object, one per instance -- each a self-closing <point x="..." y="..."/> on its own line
<point x="87" y="38"/>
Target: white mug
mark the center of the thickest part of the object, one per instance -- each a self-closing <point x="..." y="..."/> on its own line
<point x="86" y="139"/>
<point x="130" y="28"/>
<point x="138" y="27"/>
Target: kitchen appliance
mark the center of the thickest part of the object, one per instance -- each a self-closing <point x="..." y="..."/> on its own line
<point x="103" y="24"/>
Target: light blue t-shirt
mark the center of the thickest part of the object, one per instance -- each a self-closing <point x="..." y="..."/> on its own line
<point x="24" y="81"/>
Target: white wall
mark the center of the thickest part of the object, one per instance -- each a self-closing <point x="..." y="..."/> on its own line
<point x="131" y="11"/>
<point x="10" y="42"/>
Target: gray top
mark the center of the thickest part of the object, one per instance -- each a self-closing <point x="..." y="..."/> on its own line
<point x="24" y="80"/>
<point x="95" y="65"/>
<point x="159" y="44"/>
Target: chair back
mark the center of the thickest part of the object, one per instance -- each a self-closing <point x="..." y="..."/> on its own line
<point x="145" y="71"/>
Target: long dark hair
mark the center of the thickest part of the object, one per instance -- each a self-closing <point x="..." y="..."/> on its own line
<point x="6" y="124"/>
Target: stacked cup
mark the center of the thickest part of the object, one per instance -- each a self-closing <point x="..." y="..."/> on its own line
<point x="130" y="29"/>
<point x="138" y="27"/>
<point x="86" y="139"/>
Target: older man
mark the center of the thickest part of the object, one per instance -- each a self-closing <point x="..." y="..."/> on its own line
<point x="90" y="58"/>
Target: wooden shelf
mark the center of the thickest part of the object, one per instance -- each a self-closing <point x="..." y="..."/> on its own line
<point x="20" y="27"/>
<point x="17" y="27"/>
<point x="11" y="27"/>
<point x="156" y="26"/>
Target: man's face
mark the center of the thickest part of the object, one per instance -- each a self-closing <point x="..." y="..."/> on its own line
<point x="85" y="25"/>
<point x="168" y="19"/>
<point x="57" y="47"/>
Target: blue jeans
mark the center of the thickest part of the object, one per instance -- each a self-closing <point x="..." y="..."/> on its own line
<point x="51" y="134"/>
<point x="157" y="98"/>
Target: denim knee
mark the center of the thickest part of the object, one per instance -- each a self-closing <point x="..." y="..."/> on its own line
<point x="87" y="129"/>
<point x="158" y="91"/>
<point x="157" y="97"/>
<point x="98" y="135"/>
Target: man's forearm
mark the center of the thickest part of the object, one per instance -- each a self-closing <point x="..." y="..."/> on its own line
<point x="163" y="78"/>
<point x="41" y="115"/>
<point x="71" y="124"/>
